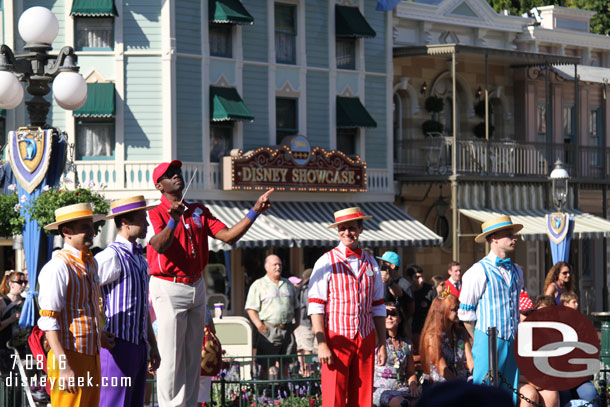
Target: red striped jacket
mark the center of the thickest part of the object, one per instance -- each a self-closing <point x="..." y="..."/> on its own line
<point x="350" y="297"/>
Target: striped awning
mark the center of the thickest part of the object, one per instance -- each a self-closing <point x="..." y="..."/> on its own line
<point x="586" y="226"/>
<point x="303" y="224"/>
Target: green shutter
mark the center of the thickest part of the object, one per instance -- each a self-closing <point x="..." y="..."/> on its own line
<point x="93" y="8"/>
<point x="225" y="104"/>
<point x="100" y="101"/>
<point x="351" y="113"/>
<point x="349" y="22"/>
<point x="228" y="11"/>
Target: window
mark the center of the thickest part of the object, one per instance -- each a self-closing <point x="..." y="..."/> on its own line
<point x="285" y="34"/>
<point x="286" y="118"/>
<point x="95" y="140"/>
<point x="569" y="130"/>
<point x="94" y="33"/>
<point x="595" y="132"/>
<point x="346" y="53"/>
<point x="221" y="141"/>
<point x="221" y="40"/>
<point x="347" y="141"/>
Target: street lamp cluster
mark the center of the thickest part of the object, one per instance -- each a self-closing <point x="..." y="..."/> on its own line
<point x="38" y="27"/>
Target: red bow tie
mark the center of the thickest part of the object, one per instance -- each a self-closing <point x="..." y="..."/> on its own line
<point x="349" y="252"/>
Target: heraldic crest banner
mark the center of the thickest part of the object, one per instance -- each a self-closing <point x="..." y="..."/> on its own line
<point x="29" y="155"/>
<point x="559" y="227"/>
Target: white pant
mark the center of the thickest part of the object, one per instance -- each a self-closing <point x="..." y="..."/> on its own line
<point x="180" y="310"/>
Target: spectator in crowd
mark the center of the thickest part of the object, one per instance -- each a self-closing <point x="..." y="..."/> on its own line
<point x="490" y="298"/>
<point x="423" y="295"/>
<point x="303" y="333"/>
<point x="205" y="382"/>
<point x="123" y="276"/>
<point x="396" y="288"/>
<point x="69" y="309"/>
<point x="439" y="284"/>
<point x="11" y="288"/>
<point x="395" y="381"/>
<point x="544" y="301"/>
<point x="454" y="282"/>
<point x="271" y="305"/>
<point x="177" y="255"/>
<point x="347" y="315"/>
<point x="559" y="280"/>
<point x="570" y="299"/>
<point x="445" y="348"/>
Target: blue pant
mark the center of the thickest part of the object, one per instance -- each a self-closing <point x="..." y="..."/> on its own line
<point x="507" y="366"/>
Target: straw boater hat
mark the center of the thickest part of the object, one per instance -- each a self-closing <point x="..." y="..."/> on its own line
<point x="495" y="225"/>
<point x="121" y="206"/>
<point x="69" y="213"/>
<point x="346" y="215"/>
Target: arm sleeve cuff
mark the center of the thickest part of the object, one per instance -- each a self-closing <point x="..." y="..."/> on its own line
<point x="48" y="324"/>
<point x="466" y="315"/>
<point x="315" y="308"/>
<point x="379" y="310"/>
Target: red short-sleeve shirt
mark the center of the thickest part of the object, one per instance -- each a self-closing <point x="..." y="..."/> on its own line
<point x="191" y="235"/>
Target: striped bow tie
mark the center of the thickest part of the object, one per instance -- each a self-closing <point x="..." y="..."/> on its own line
<point x="506" y="263"/>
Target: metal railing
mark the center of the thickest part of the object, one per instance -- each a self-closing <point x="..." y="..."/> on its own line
<point x="433" y="156"/>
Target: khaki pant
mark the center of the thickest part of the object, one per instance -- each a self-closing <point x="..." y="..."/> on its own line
<point x="180" y="310"/>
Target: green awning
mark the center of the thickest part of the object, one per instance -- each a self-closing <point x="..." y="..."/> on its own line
<point x="228" y="12"/>
<point x="100" y="101"/>
<point x="93" y="8"/>
<point x="351" y="113"/>
<point x="225" y="104"/>
<point x="349" y="22"/>
<point x="2" y="113"/>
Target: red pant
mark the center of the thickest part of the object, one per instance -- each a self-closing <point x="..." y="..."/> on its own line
<point x="350" y="376"/>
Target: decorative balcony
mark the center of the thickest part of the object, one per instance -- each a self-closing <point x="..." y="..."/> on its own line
<point x="136" y="177"/>
<point x="431" y="157"/>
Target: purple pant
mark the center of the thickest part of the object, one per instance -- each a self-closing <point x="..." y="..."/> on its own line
<point x="124" y="370"/>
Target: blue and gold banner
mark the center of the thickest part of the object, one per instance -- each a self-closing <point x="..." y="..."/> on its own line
<point x="30" y="155"/>
<point x="559" y="228"/>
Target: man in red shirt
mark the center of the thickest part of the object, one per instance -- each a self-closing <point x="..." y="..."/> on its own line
<point x="177" y="255"/>
<point x="454" y="282"/>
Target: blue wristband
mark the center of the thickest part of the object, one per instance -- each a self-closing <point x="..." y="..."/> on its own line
<point x="172" y="224"/>
<point x="252" y="215"/>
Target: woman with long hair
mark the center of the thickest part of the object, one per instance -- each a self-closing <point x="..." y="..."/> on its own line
<point x="445" y="350"/>
<point x="395" y="382"/>
<point x="11" y="288"/>
<point x="559" y="280"/>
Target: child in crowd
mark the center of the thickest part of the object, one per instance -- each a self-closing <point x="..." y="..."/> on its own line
<point x="570" y="299"/>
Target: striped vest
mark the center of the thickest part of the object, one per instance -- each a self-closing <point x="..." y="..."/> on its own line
<point x="79" y="320"/>
<point x="350" y="297"/>
<point x="499" y="305"/>
<point x="126" y="299"/>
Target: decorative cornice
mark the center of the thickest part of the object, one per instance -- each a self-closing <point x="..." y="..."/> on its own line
<point x="556" y="36"/>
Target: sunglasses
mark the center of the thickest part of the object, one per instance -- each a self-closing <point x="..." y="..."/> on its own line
<point x="564" y="273"/>
<point x="169" y="174"/>
<point x="18" y="281"/>
<point x="391" y="313"/>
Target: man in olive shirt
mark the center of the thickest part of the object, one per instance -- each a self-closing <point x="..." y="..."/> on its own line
<point x="271" y="304"/>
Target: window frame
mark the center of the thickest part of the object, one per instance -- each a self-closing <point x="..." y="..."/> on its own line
<point x="95" y="121"/>
<point x="79" y="20"/>
<point x="355" y="137"/>
<point x="229" y="34"/>
<point x="281" y="132"/>
<point x="286" y="33"/>
<point x="354" y="47"/>
<point x="225" y="126"/>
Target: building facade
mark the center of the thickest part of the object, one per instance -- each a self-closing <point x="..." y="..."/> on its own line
<point x="484" y="103"/>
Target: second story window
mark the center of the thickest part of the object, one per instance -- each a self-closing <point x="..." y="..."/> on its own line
<point x="541" y="122"/>
<point x="95" y="139"/>
<point x="221" y="41"/>
<point x="347" y="141"/>
<point x="286" y="118"/>
<point x="221" y="140"/>
<point x="285" y="34"/>
<point x="346" y="53"/>
<point x="94" y="34"/>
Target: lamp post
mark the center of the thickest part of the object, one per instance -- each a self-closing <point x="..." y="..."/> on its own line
<point x="38" y="27"/>
<point x="559" y="182"/>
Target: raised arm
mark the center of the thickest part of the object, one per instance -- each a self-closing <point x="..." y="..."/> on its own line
<point x="234" y="233"/>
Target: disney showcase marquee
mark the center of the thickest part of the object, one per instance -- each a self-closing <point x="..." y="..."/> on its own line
<point x="294" y="167"/>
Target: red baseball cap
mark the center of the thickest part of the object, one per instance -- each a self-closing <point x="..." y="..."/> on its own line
<point x="161" y="168"/>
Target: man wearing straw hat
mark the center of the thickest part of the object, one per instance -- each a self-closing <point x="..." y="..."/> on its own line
<point x="490" y="298"/>
<point x="347" y="311"/>
<point x="69" y="313"/>
<point x="123" y="272"/>
<point x="177" y="255"/>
